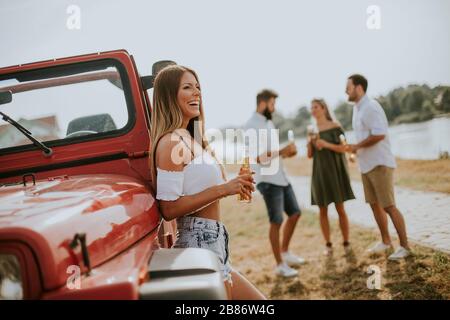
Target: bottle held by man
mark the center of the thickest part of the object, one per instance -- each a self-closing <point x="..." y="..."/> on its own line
<point x="291" y="136"/>
<point x="351" y="158"/>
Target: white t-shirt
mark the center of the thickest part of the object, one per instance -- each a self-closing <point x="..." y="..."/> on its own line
<point x="274" y="172"/>
<point x="369" y="119"/>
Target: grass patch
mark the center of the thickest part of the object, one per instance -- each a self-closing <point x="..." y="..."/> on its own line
<point x="423" y="175"/>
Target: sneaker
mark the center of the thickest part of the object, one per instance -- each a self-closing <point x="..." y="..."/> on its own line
<point x="380" y="247"/>
<point x="347" y="248"/>
<point x="400" y="253"/>
<point x="291" y="259"/>
<point x="285" y="271"/>
<point x="328" y="251"/>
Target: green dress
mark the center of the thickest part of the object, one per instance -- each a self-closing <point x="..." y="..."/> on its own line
<point x="330" y="180"/>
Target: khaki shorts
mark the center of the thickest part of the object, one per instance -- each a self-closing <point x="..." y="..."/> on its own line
<point x="379" y="186"/>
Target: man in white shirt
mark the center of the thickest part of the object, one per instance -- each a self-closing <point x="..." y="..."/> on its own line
<point x="272" y="182"/>
<point x="376" y="163"/>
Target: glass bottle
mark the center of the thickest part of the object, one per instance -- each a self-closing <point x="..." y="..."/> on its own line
<point x="245" y="168"/>
<point x="351" y="158"/>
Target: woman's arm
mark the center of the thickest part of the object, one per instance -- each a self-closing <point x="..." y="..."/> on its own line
<point x="310" y="149"/>
<point x="339" y="148"/>
<point x="187" y="204"/>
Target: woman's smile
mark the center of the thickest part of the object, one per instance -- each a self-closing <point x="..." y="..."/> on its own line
<point x="189" y="96"/>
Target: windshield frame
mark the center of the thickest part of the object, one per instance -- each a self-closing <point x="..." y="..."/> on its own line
<point x="74" y="69"/>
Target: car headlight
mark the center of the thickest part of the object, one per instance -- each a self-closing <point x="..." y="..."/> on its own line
<point x="10" y="278"/>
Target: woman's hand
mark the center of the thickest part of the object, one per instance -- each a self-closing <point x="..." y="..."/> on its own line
<point x="320" y="144"/>
<point x="243" y="184"/>
<point x="310" y="149"/>
<point x="339" y="148"/>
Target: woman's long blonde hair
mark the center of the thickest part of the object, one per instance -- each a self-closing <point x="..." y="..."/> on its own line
<point x="324" y="106"/>
<point x="167" y="116"/>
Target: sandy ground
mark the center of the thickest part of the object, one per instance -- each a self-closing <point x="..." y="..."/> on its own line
<point x="422" y="175"/>
<point x="423" y="276"/>
<point x="422" y="190"/>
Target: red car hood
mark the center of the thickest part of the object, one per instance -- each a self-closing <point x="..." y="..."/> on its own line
<point x="113" y="211"/>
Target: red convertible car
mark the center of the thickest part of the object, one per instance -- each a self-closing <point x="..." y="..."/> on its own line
<point x="78" y="218"/>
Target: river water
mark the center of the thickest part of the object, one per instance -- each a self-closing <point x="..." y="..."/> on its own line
<point x="424" y="140"/>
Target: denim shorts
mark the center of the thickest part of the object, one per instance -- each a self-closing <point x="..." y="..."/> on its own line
<point x="278" y="199"/>
<point x="195" y="232"/>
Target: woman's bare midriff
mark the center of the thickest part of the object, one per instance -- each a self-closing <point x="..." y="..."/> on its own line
<point x="210" y="212"/>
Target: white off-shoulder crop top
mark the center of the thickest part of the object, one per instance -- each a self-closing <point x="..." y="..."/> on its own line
<point x="199" y="174"/>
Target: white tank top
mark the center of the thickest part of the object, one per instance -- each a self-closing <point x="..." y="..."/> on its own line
<point x="200" y="174"/>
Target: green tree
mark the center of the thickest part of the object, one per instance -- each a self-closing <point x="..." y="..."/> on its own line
<point x="402" y="105"/>
<point x="301" y="121"/>
<point x="443" y="100"/>
<point x="343" y="113"/>
<point x="394" y="98"/>
<point x="302" y="117"/>
<point x="427" y="111"/>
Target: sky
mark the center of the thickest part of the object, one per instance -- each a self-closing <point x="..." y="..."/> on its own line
<point x="301" y="49"/>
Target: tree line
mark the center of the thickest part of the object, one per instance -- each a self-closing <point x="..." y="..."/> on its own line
<point x="415" y="103"/>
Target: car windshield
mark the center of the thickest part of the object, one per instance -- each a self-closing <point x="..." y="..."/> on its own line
<point x="64" y="104"/>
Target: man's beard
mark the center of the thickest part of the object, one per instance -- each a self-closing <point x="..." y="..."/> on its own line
<point x="351" y="98"/>
<point x="267" y="114"/>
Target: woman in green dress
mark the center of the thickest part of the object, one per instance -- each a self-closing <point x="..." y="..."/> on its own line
<point x="330" y="180"/>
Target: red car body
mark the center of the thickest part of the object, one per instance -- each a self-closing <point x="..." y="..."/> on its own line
<point x="99" y="187"/>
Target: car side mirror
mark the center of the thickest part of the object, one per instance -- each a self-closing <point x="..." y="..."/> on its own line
<point x="5" y="97"/>
<point x="147" y="81"/>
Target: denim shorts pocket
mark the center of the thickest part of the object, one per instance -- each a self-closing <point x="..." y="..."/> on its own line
<point x="186" y="239"/>
<point x="209" y="237"/>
